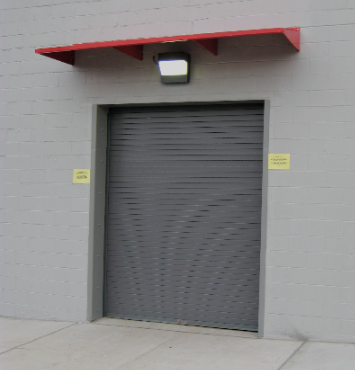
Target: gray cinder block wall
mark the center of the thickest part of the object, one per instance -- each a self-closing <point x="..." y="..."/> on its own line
<point x="45" y="117"/>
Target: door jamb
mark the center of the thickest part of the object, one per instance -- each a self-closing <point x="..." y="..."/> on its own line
<point x="264" y="201"/>
<point x="97" y="213"/>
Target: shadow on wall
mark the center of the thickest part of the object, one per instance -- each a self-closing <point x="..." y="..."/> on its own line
<point x="230" y="50"/>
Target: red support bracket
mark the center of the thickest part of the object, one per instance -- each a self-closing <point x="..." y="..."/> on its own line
<point x="67" y="57"/>
<point x="134" y="51"/>
<point x="293" y="35"/>
<point x="210" y="45"/>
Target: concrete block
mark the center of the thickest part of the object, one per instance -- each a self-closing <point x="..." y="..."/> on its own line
<point x="78" y="233"/>
<point x="289" y="195"/>
<point x="70" y="247"/>
<point x="16" y="243"/>
<point x="77" y="290"/>
<point x="203" y="25"/>
<point x="74" y="134"/>
<point x="291" y="131"/>
<point x="335" y="163"/>
<point x="306" y="276"/>
<point x="136" y="5"/>
<point x="340" y="212"/>
<point x="349" y="165"/>
<point x="8" y="256"/>
<point x="324" y="195"/>
<point x="322" y="293"/>
<point x="31" y="176"/>
<point x="40" y="245"/>
<point x="349" y="262"/>
<point x="309" y="82"/>
<point x="287" y="291"/>
<point x="62" y="10"/>
<point x="54" y="287"/>
<point x="348" y="196"/>
<point x="18" y="135"/>
<point x="57" y="148"/>
<point x="30" y="121"/>
<point x="36" y="190"/>
<point x="31" y="148"/>
<point x="78" y="218"/>
<point x="306" y="243"/>
<point x="7" y="309"/>
<point x="77" y="262"/>
<point x="172" y="3"/>
<point x="58" y="176"/>
<point x="332" y="327"/>
<point x="350" y="97"/>
<point x="330" y="97"/>
<point x="28" y="230"/>
<point x="177" y="27"/>
<point x="79" y="205"/>
<point x="74" y="190"/>
<point x="278" y="243"/>
<point x="45" y="80"/>
<point x="348" y="327"/>
<point x="31" y="203"/>
<point x="44" y="135"/>
<point x="76" y="276"/>
<point x="55" y="232"/>
<point x="313" y="325"/>
<point x="9" y="175"/>
<point x="332" y="277"/>
<point x="27" y="258"/>
<point x="349" y="229"/>
<point x="288" y="227"/>
<point x="113" y="6"/>
<point x="347" y="279"/>
<point x="10" y="149"/>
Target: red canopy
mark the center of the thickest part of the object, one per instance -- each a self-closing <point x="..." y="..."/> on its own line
<point x="134" y="48"/>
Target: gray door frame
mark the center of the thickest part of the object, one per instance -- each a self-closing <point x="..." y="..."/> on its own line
<point x="97" y="211"/>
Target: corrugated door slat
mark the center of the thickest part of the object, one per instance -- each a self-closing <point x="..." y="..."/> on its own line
<point x="184" y="214"/>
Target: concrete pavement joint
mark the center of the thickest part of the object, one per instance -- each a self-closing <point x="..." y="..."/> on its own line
<point x="293" y="354"/>
<point x="33" y="340"/>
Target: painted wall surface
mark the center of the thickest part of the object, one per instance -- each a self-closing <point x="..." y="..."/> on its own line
<point x="45" y="132"/>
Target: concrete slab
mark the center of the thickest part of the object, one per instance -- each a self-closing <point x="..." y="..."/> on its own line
<point x="323" y="356"/>
<point x="4" y="349"/>
<point x="24" y="359"/>
<point x="123" y="343"/>
<point x="196" y="351"/>
<point x="87" y="346"/>
<point x="15" y="332"/>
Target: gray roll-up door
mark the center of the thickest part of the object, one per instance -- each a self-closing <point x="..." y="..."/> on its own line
<point x="184" y="214"/>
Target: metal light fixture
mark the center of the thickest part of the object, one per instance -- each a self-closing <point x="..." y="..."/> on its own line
<point x="174" y="67"/>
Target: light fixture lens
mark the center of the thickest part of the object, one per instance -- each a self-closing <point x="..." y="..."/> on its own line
<point x="173" y="67"/>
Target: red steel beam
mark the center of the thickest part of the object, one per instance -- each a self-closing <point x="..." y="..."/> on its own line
<point x="206" y="40"/>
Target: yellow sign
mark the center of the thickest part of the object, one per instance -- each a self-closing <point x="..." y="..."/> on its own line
<point x="81" y="177"/>
<point x="279" y="161"/>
